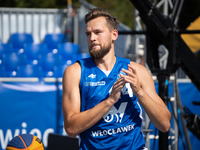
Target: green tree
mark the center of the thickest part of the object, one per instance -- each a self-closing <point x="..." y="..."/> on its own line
<point x="123" y="10"/>
<point x="35" y="3"/>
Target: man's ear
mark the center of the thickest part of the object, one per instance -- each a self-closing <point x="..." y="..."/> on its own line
<point x="114" y="35"/>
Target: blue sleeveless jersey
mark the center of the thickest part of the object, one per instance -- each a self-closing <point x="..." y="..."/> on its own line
<point x="120" y="127"/>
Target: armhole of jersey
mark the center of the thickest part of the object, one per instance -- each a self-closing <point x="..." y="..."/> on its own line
<point x="78" y="61"/>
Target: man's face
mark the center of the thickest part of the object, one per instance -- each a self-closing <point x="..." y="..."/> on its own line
<point x="98" y="37"/>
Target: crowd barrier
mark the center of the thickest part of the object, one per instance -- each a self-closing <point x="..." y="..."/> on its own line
<point x="34" y="106"/>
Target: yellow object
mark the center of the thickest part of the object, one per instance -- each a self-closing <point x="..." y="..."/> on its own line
<point x="69" y="2"/>
<point x="193" y="40"/>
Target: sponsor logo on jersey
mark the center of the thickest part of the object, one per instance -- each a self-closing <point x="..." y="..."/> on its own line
<point x="113" y="131"/>
<point x="113" y="112"/>
<point x="92" y="76"/>
<point x="100" y="83"/>
<point x="118" y="113"/>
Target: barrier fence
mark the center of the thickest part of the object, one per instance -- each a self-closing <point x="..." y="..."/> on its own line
<point x="38" y="22"/>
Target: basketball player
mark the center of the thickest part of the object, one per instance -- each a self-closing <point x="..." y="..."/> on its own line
<point x="103" y="94"/>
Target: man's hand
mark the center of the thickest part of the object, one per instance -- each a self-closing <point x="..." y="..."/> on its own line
<point x="116" y="89"/>
<point x="133" y="79"/>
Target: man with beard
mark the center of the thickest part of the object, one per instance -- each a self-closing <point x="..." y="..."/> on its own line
<point x="103" y="94"/>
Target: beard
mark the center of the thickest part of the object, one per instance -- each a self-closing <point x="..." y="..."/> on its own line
<point x="100" y="53"/>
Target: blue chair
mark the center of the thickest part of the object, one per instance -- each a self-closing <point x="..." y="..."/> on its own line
<point x="19" y="39"/>
<point x="68" y="62"/>
<point x="33" y="50"/>
<point x="11" y="60"/>
<point x="47" y="62"/>
<point x="29" y="70"/>
<point x="5" y="48"/>
<point x="68" y="49"/>
<point x="59" y="70"/>
<point x="52" y="40"/>
<point x="76" y="48"/>
<point x="2" y="71"/>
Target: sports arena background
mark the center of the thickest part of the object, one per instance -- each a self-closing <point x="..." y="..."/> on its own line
<point x="33" y="105"/>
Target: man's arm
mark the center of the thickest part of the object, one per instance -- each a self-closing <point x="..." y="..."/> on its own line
<point x="143" y="87"/>
<point x="75" y="121"/>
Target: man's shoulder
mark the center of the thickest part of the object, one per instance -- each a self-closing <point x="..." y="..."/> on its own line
<point x="79" y="66"/>
<point x="132" y="63"/>
<point x="72" y="74"/>
<point x="74" y="68"/>
<point x="142" y="71"/>
<point x="139" y="68"/>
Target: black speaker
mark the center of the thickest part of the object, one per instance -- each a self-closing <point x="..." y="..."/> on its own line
<point x="61" y="142"/>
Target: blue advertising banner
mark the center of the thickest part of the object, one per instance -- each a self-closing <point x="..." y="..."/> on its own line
<point x="35" y="108"/>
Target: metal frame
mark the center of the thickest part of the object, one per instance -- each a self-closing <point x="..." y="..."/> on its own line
<point x="23" y="15"/>
<point x="163" y="77"/>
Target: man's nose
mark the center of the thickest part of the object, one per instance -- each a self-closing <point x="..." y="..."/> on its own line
<point x="92" y="37"/>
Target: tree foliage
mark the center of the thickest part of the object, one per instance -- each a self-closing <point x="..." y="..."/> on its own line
<point x="34" y="3"/>
<point x="122" y="9"/>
